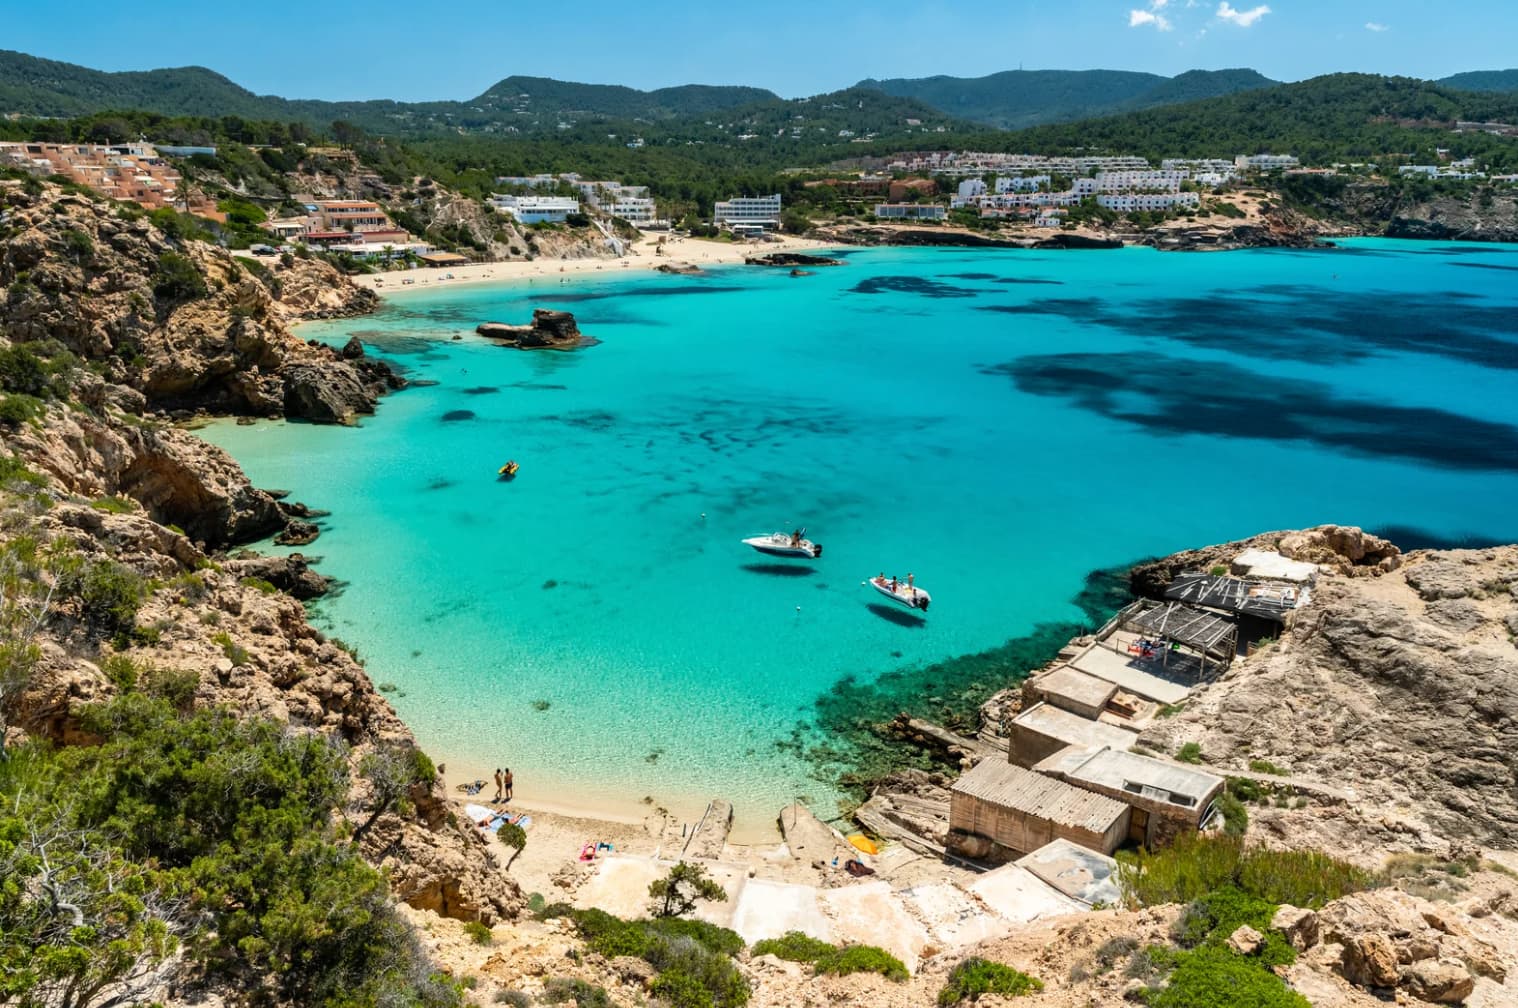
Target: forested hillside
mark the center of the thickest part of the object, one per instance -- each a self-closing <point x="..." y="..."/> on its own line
<point x="1332" y="118"/>
<point x="1015" y="99"/>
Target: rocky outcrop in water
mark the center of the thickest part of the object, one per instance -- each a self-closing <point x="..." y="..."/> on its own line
<point x="791" y="259"/>
<point x="550" y="330"/>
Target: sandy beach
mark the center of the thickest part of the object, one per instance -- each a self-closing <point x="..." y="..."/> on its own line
<point x="643" y="255"/>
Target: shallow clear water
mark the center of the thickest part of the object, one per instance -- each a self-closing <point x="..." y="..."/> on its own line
<point x="999" y="423"/>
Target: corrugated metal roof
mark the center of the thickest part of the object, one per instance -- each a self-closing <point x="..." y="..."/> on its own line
<point x="1022" y="790"/>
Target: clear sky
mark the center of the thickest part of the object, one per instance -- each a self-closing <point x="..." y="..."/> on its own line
<point x="418" y="50"/>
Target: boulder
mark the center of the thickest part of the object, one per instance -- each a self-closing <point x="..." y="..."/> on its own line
<point x="1299" y="925"/>
<point x="1246" y="940"/>
<point x="326" y="392"/>
<point x="291" y="574"/>
<point x="1369" y="960"/>
<point x="297" y="533"/>
<point x="1439" y="981"/>
<point x="550" y="330"/>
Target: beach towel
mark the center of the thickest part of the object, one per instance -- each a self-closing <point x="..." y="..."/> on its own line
<point x="484" y="818"/>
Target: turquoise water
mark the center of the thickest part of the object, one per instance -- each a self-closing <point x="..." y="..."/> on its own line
<point x="999" y="423"/>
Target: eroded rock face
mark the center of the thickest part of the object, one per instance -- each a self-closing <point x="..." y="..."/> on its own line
<point x="179" y="479"/>
<point x="550" y="330"/>
<point x="1388" y="690"/>
<point x="181" y="324"/>
<point x="1343" y="549"/>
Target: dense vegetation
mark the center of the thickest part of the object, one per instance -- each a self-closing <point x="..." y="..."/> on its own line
<point x="1226" y="886"/>
<point x="1016" y="99"/>
<point x="974" y="976"/>
<point x="692" y="959"/>
<point x="1340" y="117"/>
<point x="207" y="831"/>
<point x="837" y="960"/>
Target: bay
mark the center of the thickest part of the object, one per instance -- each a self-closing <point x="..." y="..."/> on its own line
<point x="999" y="423"/>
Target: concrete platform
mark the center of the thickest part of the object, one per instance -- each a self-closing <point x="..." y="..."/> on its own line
<point x="1020" y="896"/>
<point x="871" y="913"/>
<point x="1143" y="678"/>
<point x="952" y="916"/>
<point x="620" y="885"/>
<point x="769" y="909"/>
<point x="1076" y="872"/>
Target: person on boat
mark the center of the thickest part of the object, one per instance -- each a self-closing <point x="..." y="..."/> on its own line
<point x="893" y="584"/>
<point x="796" y="538"/>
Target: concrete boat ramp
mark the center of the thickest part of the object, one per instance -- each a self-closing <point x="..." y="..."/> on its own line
<point x="945" y="915"/>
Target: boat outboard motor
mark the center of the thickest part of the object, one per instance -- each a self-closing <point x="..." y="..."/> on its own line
<point x="816" y="550"/>
<point x="921" y="603"/>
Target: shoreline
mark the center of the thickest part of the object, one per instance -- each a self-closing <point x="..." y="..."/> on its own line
<point x="641" y="257"/>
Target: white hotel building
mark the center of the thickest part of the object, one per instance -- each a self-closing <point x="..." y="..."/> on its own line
<point x="536" y="209"/>
<point x="1134" y="202"/>
<point x="748" y="214"/>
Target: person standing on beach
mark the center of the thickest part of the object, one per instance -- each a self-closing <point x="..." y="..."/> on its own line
<point x="506" y="783"/>
<point x="499" y="784"/>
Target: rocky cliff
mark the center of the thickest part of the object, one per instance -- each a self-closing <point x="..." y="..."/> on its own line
<point x="1399" y="688"/>
<point x="108" y="324"/>
<point x="183" y="324"/>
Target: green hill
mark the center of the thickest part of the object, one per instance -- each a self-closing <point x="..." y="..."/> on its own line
<point x="1015" y="99"/>
<point x="38" y="87"/>
<point x="1337" y="117"/>
<point x="1482" y="80"/>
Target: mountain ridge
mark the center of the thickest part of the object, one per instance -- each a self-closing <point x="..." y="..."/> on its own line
<point x="1015" y="99"/>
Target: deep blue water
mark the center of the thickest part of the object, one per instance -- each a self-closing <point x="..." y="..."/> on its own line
<point x="997" y="422"/>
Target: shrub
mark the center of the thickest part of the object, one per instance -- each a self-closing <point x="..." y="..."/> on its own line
<point x="478" y="933"/>
<point x="177" y="280"/>
<point x="794" y="946"/>
<point x="261" y="585"/>
<point x="175" y="687"/>
<point x="1235" y="816"/>
<point x="80" y="246"/>
<point x="1191" y="752"/>
<point x="1247" y="790"/>
<point x="114" y="505"/>
<point x="975" y="976"/>
<point x="863" y="959"/>
<point x="1214" y="977"/>
<point x="711" y="937"/>
<point x="1222" y="912"/>
<point x="233" y="650"/>
<point x="109" y="593"/>
<point x="515" y="998"/>
<point x="1197" y="865"/>
<point x="1266" y="767"/>
<point x="560" y="990"/>
<point x="677" y="893"/>
<point x="121" y="671"/>
<point x="18" y="409"/>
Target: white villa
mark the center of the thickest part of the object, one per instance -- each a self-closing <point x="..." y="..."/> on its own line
<point x="748" y="214"/>
<point x="536" y="209"/>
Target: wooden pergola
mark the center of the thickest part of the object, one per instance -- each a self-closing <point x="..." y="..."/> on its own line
<point x="1202" y="631"/>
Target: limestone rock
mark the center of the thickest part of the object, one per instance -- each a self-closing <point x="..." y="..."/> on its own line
<point x="1246" y="940"/>
<point x="1299" y="925"/>
<point x="291" y="574"/>
<point x="297" y="533"/>
<point x="1370" y="960"/>
<point x="550" y="330"/>
<point x="1440" y="981"/>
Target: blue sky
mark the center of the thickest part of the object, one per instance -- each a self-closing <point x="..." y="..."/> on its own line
<point x="417" y="50"/>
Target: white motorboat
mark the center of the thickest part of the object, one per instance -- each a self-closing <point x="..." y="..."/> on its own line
<point x="902" y="592"/>
<point x="779" y="544"/>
